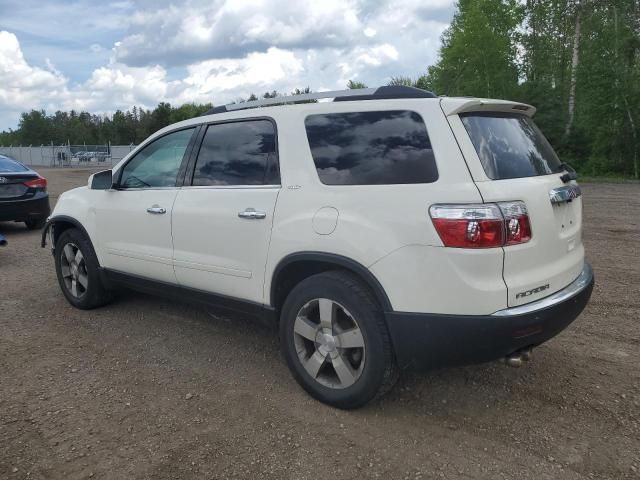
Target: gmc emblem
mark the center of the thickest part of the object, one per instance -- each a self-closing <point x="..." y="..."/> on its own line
<point x="533" y="291"/>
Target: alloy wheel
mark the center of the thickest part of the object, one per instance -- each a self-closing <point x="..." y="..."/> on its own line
<point x="74" y="270"/>
<point x="329" y="343"/>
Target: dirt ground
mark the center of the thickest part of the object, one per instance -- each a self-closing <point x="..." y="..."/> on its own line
<point x="145" y="388"/>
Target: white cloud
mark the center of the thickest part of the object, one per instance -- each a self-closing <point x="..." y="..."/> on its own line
<point x="369" y="32"/>
<point x="200" y="29"/>
<point x="257" y="72"/>
<point x="217" y="51"/>
<point x="21" y="83"/>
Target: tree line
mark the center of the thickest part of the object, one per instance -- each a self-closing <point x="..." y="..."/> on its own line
<point x="577" y="61"/>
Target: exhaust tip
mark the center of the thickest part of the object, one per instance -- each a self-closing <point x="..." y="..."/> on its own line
<point x="514" y="361"/>
<point x="518" y="359"/>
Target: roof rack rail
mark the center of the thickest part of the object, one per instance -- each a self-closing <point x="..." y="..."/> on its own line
<point x="380" y="93"/>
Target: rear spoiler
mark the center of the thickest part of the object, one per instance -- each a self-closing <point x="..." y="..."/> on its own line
<point x="455" y="106"/>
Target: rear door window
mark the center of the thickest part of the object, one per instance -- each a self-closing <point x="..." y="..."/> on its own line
<point x="238" y="153"/>
<point x="510" y="146"/>
<point x="371" y="148"/>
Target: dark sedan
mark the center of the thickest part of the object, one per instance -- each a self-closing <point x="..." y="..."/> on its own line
<point x="23" y="194"/>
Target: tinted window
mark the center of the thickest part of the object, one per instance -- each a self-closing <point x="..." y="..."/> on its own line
<point x="238" y="153"/>
<point x="510" y="146"/>
<point x="9" y="165"/>
<point x="157" y="164"/>
<point x="371" y="148"/>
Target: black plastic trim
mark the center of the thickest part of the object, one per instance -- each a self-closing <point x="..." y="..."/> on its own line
<point x="60" y="218"/>
<point x="189" y="154"/>
<point x="187" y="174"/>
<point x="218" y="109"/>
<point x="425" y="341"/>
<point x="338" y="261"/>
<point x="389" y="92"/>
<point x="259" y="311"/>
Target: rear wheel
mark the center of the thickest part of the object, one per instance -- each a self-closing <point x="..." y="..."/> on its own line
<point x="335" y="340"/>
<point x="35" y="223"/>
<point x="78" y="271"/>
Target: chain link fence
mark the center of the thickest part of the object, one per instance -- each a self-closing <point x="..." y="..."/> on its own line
<point x="68" y="155"/>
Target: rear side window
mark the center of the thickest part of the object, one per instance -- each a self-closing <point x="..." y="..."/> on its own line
<point x="510" y="146"/>
<point x="238" y="153"/>
<point x="371" y="148"/>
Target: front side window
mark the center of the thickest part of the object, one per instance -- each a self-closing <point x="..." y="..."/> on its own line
<point x="510" y="146"/>
<point x="157" y="164"/>
<point x="238" y="153"/>
<point x="371" y="148"/>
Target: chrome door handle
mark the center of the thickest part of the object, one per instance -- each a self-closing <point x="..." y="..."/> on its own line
<point x="252" y="214"/>
<point x="157" y="210"/>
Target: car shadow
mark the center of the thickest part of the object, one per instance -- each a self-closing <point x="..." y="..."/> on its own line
<point x="9" y="229"/>
<point x="447" y="394"/>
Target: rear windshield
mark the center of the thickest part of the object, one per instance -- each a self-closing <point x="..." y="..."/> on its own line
<point x="510" y="146"/>
<point x="8" y="165"/>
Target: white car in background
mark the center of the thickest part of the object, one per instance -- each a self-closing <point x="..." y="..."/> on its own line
<point x="386" y="229"/>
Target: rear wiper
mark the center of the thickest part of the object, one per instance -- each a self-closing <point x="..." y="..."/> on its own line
<point x="570" y="175"/>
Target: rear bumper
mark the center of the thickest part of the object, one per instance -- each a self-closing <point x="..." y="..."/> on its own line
<point x="436" y="340"/>
<point x="21" y="210"/>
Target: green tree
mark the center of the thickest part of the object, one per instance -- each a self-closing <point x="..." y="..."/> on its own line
<point x="34" y="128"/>
<point x="353" y="85"/>
<point x="479" y="51"/>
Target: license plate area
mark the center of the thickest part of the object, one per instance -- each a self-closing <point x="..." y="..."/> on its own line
<point x="12" y="190"/>
<point x="567" y="216"/>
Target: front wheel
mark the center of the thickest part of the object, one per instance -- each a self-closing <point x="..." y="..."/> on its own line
<point x="78" y="271"/>
<point x="335" y="340"/>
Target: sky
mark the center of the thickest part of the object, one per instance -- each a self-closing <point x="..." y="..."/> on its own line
<point x="101" y="56"/>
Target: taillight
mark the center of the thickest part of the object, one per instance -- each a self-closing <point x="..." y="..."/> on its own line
<point x="487" y="225"/>
<point x="516" y="222"/>
<point x="37" y="183"/>
<point x="469" y="226"/>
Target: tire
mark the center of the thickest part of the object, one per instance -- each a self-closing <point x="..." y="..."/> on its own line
<point x="35" y="223"/>
<point x="84" y="270"/>
<point x="346" y="377"/>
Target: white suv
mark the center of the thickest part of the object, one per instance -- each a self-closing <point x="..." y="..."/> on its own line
<point x="384" y="229"/>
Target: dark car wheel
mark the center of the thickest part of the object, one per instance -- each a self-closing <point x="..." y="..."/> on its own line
<point x="335" y="340"/>
<point x="35" y="223"/>
<point x="78" y="271"/>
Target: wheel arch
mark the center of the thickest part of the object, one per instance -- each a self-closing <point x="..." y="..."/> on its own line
<point x="296" y="267"/>
<point x="60" y="223"/>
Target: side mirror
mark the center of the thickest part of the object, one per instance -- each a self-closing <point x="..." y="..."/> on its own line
<point x="101" y="180"/>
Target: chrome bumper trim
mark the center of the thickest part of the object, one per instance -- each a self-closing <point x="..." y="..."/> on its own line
<point x="564" y="194"/>
<point x="584" y="279"/>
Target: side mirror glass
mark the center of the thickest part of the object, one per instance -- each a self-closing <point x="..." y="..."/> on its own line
<point x="101" y="180"/>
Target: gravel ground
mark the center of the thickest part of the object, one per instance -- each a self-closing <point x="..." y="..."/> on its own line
<point x="146" y="388"/>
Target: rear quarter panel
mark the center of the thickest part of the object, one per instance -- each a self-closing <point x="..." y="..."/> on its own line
<point x="376" y="221"/>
